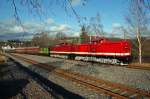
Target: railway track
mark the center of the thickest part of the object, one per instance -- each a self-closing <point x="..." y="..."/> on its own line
<point x="126" y="66"/>
<point x="110" y="89"/>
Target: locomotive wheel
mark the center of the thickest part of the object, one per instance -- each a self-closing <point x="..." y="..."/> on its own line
<point x="71" y="56"/>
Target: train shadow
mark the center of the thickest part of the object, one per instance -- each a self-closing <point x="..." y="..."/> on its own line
<point x="54" y="89"/>
<point x="4" y="70"/>
<point x="9" y="88"/>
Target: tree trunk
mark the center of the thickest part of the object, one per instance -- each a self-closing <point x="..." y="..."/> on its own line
<point x="139" y="45"/>
<point x="140" y="53"/>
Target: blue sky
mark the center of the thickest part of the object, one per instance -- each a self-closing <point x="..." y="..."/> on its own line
<point x="54" y="18"/>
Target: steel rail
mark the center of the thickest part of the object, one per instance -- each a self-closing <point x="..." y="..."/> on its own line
<point x="126" y="66"/>
<point x="100" y="86"/>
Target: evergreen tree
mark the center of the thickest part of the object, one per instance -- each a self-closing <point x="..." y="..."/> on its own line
<point x="84" y="36"/>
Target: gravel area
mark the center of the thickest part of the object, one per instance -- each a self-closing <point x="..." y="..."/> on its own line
<point x="17" y="84"/>
<point x="76" y="88"/>
<point x="65" y="83"/>
<point x="128" y="76"/>
<point x="131" y="77"/>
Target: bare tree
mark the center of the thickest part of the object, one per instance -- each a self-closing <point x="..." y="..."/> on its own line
<point x="96" y="26"/>
<point x="138" y="21"/>
<point x="91" y="26"/>
<point x="146" y="3"/>
<point x="35" y="40"/>
<point x="122" y="30"/>
<point x="60" y="35"/>
<point x="36" y="7"/>
<point x="41" y="39"/>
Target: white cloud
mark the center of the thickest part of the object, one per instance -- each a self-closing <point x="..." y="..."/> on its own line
<point x="34" y="27"/>
<point x="8" y="27"/>
<point x="61" y="27"/>
<point x="76" y="34"/>
<point x="7" y="22"/>
<point x="75" y="2"/>
<point x="49" y="21"/>
<point x="11" y="27"/>
<point x="16" y="29"/>
<point x="114" y="25"/>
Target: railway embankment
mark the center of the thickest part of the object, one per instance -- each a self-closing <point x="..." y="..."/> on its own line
<point x="133" y="77"/>
<point x="136" y="78"/>
<point x="18" y="82"/>
<point x="3" y="58"/>
<point x="74" y="90"/>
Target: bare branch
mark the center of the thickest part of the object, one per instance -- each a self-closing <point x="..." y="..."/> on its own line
<point x="138" y="21"/>
<point x="77" y="16"/>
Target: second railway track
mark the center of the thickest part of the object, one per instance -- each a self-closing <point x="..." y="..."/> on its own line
<point x="126" y="66"/>
<point x="132" y="66"/>
<point x="113" y="90"/>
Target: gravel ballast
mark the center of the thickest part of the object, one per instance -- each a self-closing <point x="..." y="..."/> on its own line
<point x="65" y="83"/>
<point x="131" y="77"/>
<point x="17" y="84"/>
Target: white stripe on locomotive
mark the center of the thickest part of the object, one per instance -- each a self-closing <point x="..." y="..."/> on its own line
<point x="88" y="53"/>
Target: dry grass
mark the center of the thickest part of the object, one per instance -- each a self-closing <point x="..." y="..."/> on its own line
<point x="145" y="66"/>
<point x="2" y="58"/>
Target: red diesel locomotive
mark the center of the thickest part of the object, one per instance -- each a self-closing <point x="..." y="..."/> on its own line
<point x="102" y="50"/>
